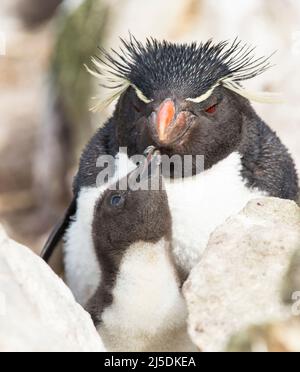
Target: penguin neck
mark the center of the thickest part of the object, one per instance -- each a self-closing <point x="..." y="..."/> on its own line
<point x="146" y="300"/>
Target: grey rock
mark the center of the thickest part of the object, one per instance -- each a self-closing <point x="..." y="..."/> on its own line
<point x="37" y="311"/>
<point x="291" y="284"/>
<point x="274" y="338"/>
<point x="238" y="282"/>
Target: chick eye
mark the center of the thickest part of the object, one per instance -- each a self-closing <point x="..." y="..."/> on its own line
<point x="116" y="200"/>
<point x="211" y="109"/>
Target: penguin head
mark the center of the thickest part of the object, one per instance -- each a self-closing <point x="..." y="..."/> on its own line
<point x="124" y="217"/>
<point x="186" y="99"/>
<point x="212" y="128"/>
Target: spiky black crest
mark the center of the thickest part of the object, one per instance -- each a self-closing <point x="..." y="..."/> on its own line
<point x="189" y="70"/>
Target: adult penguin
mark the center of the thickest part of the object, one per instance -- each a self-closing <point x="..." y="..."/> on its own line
<point x="187" y="99"/>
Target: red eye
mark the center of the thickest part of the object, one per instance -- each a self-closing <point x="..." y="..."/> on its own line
<point x="211" y="109"/>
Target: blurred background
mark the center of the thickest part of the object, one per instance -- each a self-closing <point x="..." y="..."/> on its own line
<point x="45" y="92"/>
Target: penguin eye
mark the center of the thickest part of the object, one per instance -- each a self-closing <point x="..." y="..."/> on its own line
<point x="116" y="200"/>
<point x="211" y="109"/>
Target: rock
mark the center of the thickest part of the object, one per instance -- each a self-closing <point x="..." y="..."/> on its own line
<point x="283" y="336"/>
<point x="277" y="337"/>
<point x="37" y="311"/>
<point x="238" y="282"/>
<point x="291" y="284"/>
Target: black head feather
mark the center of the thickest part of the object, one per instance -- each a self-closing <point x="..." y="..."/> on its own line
<point x="189" y="69"/>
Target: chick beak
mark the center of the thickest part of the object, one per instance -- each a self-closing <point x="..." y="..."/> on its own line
<point x="152" y="162"/>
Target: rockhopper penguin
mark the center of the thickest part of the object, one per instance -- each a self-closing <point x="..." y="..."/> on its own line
<point x="136" y="304"/>
<point x="187" y="99"/>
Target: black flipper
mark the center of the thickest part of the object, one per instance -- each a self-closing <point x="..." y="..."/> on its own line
<point x="58" y="232"/>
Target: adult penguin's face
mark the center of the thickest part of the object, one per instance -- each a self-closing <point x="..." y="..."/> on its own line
<point x="176" y="125"/>
<point x="185" y="99"/>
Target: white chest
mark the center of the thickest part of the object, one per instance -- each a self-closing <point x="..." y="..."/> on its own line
<point x="148" y="312"/>
<point x="202" y="203"/>
<point x="82" y="270"/>
<point x="198" y="205"/>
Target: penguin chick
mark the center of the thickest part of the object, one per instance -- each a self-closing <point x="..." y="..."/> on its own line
<point x="138" y="305"/>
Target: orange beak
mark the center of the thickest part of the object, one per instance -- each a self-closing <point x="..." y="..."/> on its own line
<point x="165" y="117"/>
